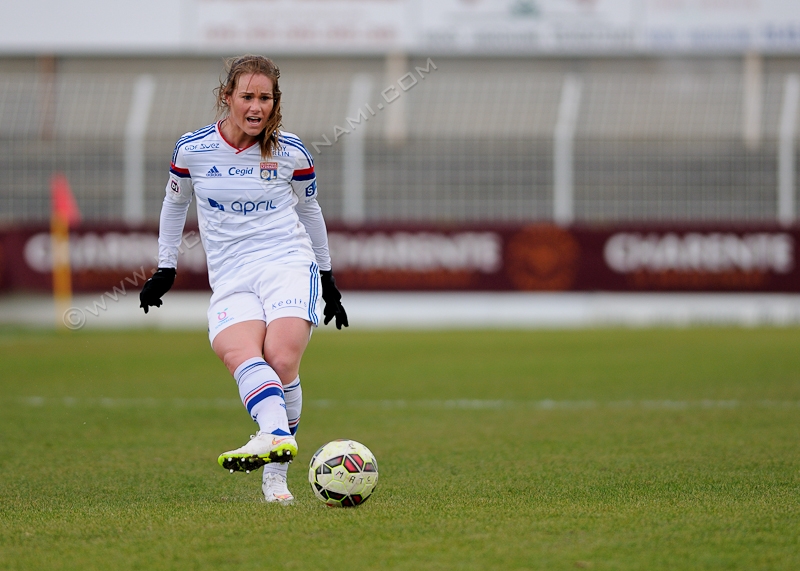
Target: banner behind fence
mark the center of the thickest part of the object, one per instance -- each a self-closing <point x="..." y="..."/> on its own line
<point x="515" y="27"/>
<point x="448" y="258"/>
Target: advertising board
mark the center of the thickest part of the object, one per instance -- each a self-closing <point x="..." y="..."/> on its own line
<point x="621" y="258"/>
<point x="608" y="26"/>
<point x="423" y="27"/>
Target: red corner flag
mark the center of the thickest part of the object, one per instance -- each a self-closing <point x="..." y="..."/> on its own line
<point x="64" y="205"/>
<point x="64" y="213"/>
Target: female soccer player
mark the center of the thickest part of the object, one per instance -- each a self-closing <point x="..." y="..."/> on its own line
<point x="267" y="251"/>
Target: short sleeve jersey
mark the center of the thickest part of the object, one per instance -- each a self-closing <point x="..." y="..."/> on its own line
<point x="245" y="203"/>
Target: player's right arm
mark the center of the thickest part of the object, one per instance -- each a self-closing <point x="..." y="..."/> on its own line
<point x="179" y="192"/>
<point x="178" y="197"/>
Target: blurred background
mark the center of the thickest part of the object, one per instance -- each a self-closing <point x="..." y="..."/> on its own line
<point x="565" y="161"/>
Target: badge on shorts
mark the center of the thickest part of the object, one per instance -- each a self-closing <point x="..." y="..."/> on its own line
<point x="269" y="171"/>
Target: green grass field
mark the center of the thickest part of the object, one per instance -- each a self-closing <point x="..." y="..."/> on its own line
<point x="601" y="449"/>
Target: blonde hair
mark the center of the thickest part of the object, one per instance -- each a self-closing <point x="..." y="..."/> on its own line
<point x="242" y="65"/>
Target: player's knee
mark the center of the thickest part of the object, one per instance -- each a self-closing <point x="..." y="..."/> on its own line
<point x="234" y="357"/>
<point x="286" y="366"/>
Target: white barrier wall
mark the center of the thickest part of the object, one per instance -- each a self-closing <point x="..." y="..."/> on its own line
<point x="92" y="26"/>
<point x="425" y="27"/>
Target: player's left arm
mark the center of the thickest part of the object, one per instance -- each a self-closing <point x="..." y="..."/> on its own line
<point x="304" y="184"/>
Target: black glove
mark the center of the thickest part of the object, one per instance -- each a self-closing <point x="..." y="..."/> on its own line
<point x="333" y="300"/>
<point x="156" y="287"/>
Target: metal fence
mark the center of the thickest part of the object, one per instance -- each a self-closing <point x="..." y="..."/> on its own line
<point x="431" y="142"/>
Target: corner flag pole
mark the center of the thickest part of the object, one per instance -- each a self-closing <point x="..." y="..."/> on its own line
<point x="64" y="213"/>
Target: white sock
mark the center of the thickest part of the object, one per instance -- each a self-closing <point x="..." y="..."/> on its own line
<point x="293" y="394"/>
<point x="280" y="468"/>
<point x="262" y="395"/>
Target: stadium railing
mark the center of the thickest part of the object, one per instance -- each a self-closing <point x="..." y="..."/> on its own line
<point x="453" y="145"/>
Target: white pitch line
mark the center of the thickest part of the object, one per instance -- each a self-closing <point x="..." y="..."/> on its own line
<point x="400" y="404"/>
<point x="445" y="310"/>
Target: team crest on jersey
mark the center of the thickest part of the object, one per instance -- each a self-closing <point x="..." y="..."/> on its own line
<point x="269" y="171"/>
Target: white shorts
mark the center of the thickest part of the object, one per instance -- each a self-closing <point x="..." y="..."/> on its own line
<point x="266" y="291"/>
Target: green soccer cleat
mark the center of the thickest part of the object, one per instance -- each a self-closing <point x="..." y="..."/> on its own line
<point x="262" y="449"/>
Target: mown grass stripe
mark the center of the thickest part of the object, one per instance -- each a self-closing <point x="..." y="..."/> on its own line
<point x="458" y="404"/>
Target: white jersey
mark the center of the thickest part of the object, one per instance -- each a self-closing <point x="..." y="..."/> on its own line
<point x="248" y="208"/>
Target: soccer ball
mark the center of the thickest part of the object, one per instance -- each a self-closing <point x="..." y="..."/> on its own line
<point x="343" y="473"/>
